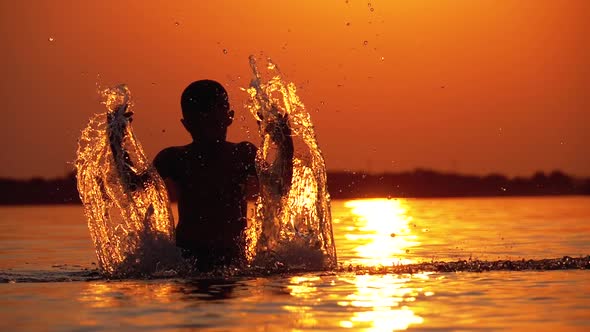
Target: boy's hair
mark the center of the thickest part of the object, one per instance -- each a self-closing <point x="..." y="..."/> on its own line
<point x="202" y="97"/>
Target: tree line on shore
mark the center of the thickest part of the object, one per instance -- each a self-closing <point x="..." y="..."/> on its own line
<point x="346" y="185"/>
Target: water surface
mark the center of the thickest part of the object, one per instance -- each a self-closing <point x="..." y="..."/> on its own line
<point x="52" y="244"/>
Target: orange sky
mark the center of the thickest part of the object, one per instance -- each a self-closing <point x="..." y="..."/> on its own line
<point x="468" y="86"/>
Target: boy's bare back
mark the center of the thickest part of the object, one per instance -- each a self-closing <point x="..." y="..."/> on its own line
<point x="211" y="182"/>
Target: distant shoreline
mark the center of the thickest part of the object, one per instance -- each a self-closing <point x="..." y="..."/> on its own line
<point x="419" y="183"/>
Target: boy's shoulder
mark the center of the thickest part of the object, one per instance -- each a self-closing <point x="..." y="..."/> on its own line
<point x="172" y="152"/>
<point x="244" y="153"/>
<point x="168" y="161"/>
<point x="167" y="158"/>
<point x="246" y="147"/>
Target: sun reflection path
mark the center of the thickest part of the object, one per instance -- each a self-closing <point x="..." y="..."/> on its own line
<point x="381" y="232"/>
<point x="373" y="303"/>
<point x="380" y="235"/>
<point x="382" y="303"/>
<point x="303" y="288"/>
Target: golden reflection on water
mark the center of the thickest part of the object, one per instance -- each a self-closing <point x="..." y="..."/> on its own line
<point x="110" y="295"/>
<point x="380" y="235"/>
<point x="303" y="288"/>
<point x="381" y="303"/>
<point x="374" y="303"/>
<point x="381" y="232"/>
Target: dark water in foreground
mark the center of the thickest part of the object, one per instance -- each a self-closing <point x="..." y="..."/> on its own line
<point x="52" y="244"/>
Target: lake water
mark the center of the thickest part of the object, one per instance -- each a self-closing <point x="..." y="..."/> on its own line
<point x="41" y="247"/>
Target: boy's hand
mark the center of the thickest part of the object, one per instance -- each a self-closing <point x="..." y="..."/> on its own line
<point x="279" y="130"/>
<point x="127" y="114"/>
<point x="121" y="110"/>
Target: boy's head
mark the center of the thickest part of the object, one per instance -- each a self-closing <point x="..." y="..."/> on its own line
<point x="205" y="110"/>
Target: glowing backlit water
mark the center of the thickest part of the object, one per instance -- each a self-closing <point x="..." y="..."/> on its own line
<point x="125" y="200"/>
<point x="52" y="244"/>
<point x="295" y="225"/>
<point x="127" y="206"/>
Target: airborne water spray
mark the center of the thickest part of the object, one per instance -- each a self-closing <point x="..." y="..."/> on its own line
<point x="294" y="227"/>
<point x="125" y="200"/>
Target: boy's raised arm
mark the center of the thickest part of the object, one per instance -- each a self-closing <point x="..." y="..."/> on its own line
<point x="281" y="173"/>
<point x="116" y="123"/>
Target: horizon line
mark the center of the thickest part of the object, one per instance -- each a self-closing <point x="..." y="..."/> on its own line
<point x="368" y="173"/>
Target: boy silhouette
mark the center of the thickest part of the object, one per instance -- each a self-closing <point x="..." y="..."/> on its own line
<point x="211" y="174"/>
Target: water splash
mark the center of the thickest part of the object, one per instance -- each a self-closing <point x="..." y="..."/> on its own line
<point x="553" y="264"/>
<point x="475" y="265"/>
<point x="295" y="227"/>
<point x="125" y="200"/>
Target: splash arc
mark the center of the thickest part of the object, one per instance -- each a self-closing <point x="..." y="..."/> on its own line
<point x="297" y="225"/>
<point x="125" y="200"/>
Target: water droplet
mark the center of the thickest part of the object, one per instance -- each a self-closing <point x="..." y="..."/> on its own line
<point x="224" y="51"/>
<point x="369" y="5"/>
<point x="177" y="23"/>
<point x="372" y="9"/>
<point x="50" y="39"/>
<point x="382" y="58"/>
<point x="366" y="42"/>
<point x="347" y="24"/>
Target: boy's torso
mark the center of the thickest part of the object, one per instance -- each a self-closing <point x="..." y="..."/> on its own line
<point x="211" y="180"/>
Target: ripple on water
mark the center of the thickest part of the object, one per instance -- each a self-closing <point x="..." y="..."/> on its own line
<point x="68" y="274"/>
